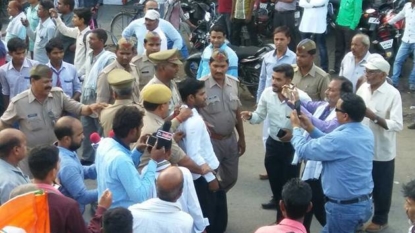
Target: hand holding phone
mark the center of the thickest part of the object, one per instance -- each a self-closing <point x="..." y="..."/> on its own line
<point x="297" y="106"/>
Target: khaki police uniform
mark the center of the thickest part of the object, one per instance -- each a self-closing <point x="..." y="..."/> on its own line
<point x="158" y="94"/>
<point x="145" y="69"/>
<point x="222" y="104"/>
<point x="316" y="81"/>
<point x="117" y="78"/>
<point x="171" y="56"/>
<point x="104" y="92"/>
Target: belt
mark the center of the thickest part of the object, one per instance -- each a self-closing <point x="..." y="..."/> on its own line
<point x="351" y="201"/>
<point x="285" y="12"/>
<point x="219" y="136"/>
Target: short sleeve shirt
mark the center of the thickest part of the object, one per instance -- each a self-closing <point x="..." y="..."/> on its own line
<point x="145" y="69"/>
<point x="314" y="83"/>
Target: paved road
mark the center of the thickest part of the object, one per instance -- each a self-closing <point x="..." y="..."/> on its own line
<point x="244" y="200"/>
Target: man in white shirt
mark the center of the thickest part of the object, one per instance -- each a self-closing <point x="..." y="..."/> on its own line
<point x="44" y="31"/>
<point x="384" y="118"/>
<point x="64" y="74"/>
<point x="352" y="66"/>
<point x="163" y="214"/>
<point x="279" y="152"/>
<point x="313" y="26"/>
<point x="15" y="27"/>
<point x="198" y="146"/>
<point x="407" y="44"/>
<point x="79" y="32"/>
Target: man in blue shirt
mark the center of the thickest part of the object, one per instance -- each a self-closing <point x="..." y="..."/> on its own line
<point x="69" y="132"/>
<point x="117" y="166"/>
<point x="165" y="29"/>
<point x="217" y="39"/>
<point x="347" y="170"/>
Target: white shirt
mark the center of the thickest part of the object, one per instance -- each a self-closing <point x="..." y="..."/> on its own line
<point x="157" y="216"/>
<point x="314" y="19"/>
<point x="351" y="70"/>
<point x="188" y="201"/>
<point x="197" y="144"/>
<point x="45" y="31"/>
<point x="409" y="14"/>
<point x="68" y="77"/>
<point x="386" y="103"/>
<point x="81" y="48"/>
<point x="270" y="105"/>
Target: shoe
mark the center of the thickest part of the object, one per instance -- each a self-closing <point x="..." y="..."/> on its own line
<point x="412" y="126"/>
<point x="263" y="176"/>
<point x="373" y="228"/>
<point x="271" y="205"/>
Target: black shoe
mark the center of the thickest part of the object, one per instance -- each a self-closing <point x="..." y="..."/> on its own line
<point x="412" y="126"/>
<point x="271" y="205"/>
<point x="86" y="162"/>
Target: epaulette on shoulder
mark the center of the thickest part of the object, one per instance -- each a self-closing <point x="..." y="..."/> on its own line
<point x="20" y="96"/>
<point x="233" y="78"/>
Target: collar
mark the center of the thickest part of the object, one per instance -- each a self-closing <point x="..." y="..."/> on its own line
<point x="34" y="8"/>
<point x="48" y="188"/>
<point x="364" y="59"/>
<point x="274" y="54"/>
<point x="121" y="142"/>
<point x="155" y="117"/>
<point x="293" y="223"/>
<point x="212" y="82"/>
<point x="222" y="47"/>
<point x="49" y="20"/>
<point x="382" y="89"/>
<point x="119" y="66"/>
<point x="311" y="72"/>
<point x="63" y="66"/>
<point x="84" y="31"/>
<point x="67" y="152"/>
<point x="91" y="53"/>
<point x="25" y="64"/>
<point x="123" y="102"/>
<point x="31" y="96"/>
<point x="5" y="164"/>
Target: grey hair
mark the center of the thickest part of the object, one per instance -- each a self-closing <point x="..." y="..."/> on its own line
<point x="364" y="38"/>
<point x="121" y="92"/>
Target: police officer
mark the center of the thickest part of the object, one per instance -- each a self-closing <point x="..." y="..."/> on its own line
<point x="122" y="86"/>
<point x="37" y="109"/>
<point x="124" y="53"/>
<point x="155" y="101"/>
<point x="167" y="66"/>
<point x="145" y="68"/>
<point x="223" y="115"/>
<point x="307" y="76"/>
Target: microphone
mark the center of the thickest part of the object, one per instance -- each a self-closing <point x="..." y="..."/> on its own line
<point x="95" y="139"/>
<point x="111" y="134"/>
<point x="164" y="136"/>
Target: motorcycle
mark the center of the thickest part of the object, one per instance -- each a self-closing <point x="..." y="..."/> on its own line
<point x="249" y="65"/>
<point x="264" y="15"/>
<point x="385" y="38"/>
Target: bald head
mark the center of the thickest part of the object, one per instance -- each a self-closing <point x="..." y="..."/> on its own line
<point x="64" y="126"/>
<point x="170" y="184"/>
<point x="9" y="139"/>
<point x="17" y="7"/>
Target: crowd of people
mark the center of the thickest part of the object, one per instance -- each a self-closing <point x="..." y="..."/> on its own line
<point x="169" y="151"/>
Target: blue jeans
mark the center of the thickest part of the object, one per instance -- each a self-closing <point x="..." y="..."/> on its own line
<point x="320" y="40"/>
<point x="346" y="218"/>
<point x="404" y="50"/>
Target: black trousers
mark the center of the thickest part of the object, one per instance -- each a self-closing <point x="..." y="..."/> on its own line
<point x="318" y="209"/>
<point x="382" y="173"/>
<point x="278" y="158"/>
<point x="344" y="36"/>
<point x="287" y="18"/>
<point x="213" y="205"/>
<point x="237" y="25"/>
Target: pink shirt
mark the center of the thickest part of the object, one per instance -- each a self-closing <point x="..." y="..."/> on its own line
<point x="49" y="188"/>
<point x="286" y="225"/>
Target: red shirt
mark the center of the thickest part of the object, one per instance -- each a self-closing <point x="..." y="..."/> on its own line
<point x="225" y="6"/>
<point x="286" y="225"/>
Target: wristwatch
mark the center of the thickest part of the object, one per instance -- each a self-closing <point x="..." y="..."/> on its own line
<point x="376" y="120"/>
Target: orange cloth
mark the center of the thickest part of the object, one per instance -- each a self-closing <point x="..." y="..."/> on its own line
<point x="29" y="212"/>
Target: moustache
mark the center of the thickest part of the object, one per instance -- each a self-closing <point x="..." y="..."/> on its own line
<point x="48" y="88"/>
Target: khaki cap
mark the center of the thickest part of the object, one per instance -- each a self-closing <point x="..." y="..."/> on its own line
<point x="170" y="56"/>
<point x="41" y="71"/>
<point x="219" y="56"/>
<point x="152" y="36"/>
<point x="156" y="94"/>
<point x="306" y="45"/>
<point x="124" y="44"/>
<point x="119" y="78"/>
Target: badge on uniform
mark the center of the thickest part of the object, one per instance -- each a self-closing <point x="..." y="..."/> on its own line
<point x="32" y="115"/>
<point x="212" y="99"/>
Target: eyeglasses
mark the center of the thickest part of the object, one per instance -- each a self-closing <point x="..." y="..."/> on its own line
<point x="339" y="110"/>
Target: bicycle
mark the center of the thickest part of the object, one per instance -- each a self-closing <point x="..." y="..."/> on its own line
<point x="122" y="19"/>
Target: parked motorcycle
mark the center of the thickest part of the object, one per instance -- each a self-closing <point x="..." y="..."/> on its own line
<point x="249" y="65"/>
<point x="264" y="15"/>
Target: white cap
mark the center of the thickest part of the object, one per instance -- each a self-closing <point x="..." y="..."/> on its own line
<point x="377" y="62"/>
<point x="152" y="15"/>
<point x="13" y="230"/>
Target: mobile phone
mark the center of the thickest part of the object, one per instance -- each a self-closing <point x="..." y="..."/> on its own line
<point x="281" y="133"/>
<point x="151" y="141"/>
<point x="297" y="106"/>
